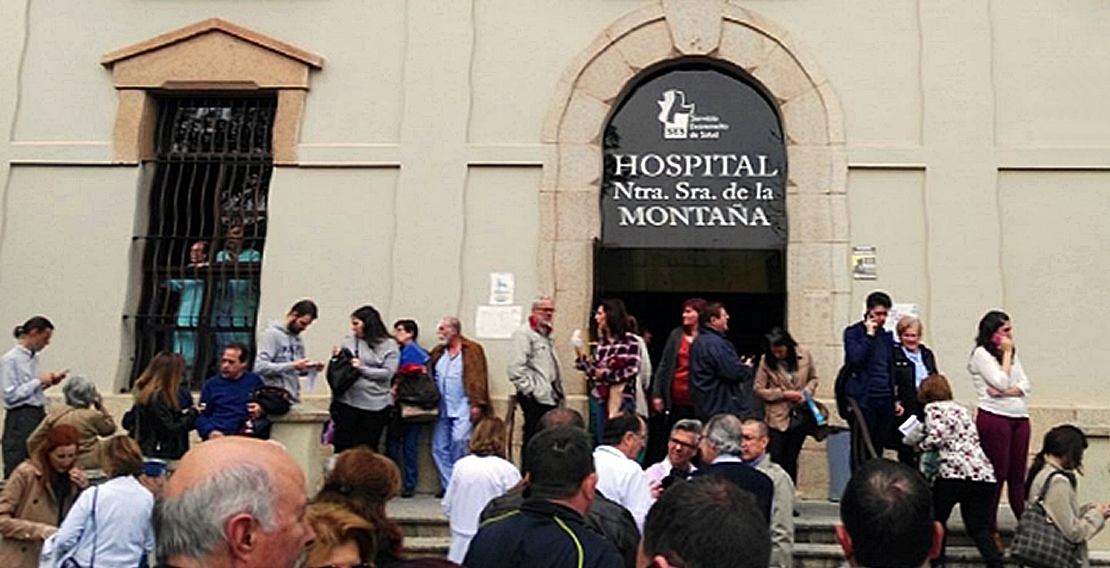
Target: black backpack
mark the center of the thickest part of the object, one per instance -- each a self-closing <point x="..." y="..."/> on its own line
<point x="840" y="389"/>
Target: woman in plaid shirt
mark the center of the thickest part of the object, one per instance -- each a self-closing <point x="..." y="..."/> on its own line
<point x="613" y="371"/>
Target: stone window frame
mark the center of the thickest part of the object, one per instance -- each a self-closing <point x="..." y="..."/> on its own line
<point x="818" y="278"/>
<point x="215" y="57"/>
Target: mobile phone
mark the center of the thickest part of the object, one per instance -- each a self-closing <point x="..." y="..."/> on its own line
<point x="996" y="339"/>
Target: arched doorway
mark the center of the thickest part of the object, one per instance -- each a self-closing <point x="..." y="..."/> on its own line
<point x="816" y="269"/>
<point x="693" y="200"/>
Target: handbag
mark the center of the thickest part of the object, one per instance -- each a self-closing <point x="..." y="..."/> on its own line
<point x="69" y="561"/>
<point x="417" y="395"/>
<point x="1038" y="542"/>
<point x="340" y="374"/>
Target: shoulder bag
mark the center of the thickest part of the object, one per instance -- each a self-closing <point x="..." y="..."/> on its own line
<point x="1038" y="542"/>
<point x="70" y="561"/>
<point x="417" y="395"/>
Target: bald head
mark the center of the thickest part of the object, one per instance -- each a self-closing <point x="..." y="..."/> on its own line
<point x="233" y="502"/>
<point x="205" y="460"/>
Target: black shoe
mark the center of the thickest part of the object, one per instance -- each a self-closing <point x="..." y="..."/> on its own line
<point x="406" y="494"/>
<point x="440" y="493"/>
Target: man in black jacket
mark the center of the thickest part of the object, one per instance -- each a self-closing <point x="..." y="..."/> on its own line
<point x="721" y="448"/>
<point x="548" y="531"/>
<point x="720" y="382"/>
<point x="605" y="517"/>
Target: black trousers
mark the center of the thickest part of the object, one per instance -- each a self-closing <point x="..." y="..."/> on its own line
<point x="357" y="427"/>
<point x="19" y="422"/>
<point x="533" y="411"/>
<point x="785" y="448"/>
<point x="975" y="499"/>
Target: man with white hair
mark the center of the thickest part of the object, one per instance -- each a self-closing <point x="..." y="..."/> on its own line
<point x="721" y="447"/>
<point x="460" y="370"/>
<point x="533" y="368"/>
<point x="233" y="502"/>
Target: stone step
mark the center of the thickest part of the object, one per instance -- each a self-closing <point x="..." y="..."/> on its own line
<point x="427" y="546"/>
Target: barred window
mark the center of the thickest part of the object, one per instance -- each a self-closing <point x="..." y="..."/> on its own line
<point x="206" y="232"/>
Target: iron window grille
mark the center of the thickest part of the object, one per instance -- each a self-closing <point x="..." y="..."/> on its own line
<point x="202" y="251"/>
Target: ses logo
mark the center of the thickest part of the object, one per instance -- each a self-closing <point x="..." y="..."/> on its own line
<point x="680" y="122"/>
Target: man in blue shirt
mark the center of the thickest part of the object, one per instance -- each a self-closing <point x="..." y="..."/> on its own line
<point x="869" y="357"/>
<point x="460" y="370"/>
<point x="224" y="396"/>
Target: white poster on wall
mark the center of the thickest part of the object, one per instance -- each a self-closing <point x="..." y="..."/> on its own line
<point x="897" y="312"/>
<point x="497" y="322"/>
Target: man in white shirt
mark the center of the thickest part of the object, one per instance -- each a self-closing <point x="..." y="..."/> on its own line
<point x="681" y="449"/>
<point x="753" y="445"/>
<point x="619" y="477"/>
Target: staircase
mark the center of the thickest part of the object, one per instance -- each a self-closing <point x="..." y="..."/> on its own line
<point x="815" y="545"/>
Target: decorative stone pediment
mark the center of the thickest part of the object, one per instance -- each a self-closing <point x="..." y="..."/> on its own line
<point x="209" y="56"/>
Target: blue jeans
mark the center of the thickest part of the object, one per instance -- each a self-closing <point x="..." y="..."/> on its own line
<point x="402" y="442"/>
<point x="449" y="444"/>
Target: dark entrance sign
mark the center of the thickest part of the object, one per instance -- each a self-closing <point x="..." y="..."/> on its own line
<point x="694" y="158"/>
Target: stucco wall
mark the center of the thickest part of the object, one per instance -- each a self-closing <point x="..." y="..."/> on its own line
<point x="974" y="139"/>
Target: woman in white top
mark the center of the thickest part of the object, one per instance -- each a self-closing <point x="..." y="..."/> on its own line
<point x="475" y="481"/>
<point x="109" y="526"/>
<point x="1002" y="419"/>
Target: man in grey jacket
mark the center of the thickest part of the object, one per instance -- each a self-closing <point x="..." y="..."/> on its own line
<point x="281" y="360"/>
<point x="534" y="368"/>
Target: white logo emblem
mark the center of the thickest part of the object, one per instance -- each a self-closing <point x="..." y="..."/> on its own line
<point x="675" y="114"/>
<point x="681" y="123"/>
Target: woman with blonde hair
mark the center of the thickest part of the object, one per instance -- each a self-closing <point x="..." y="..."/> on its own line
<point x="912" y="363"/>
<point x="109" y="526"/>
<point x="364" y="481"/>
<point x="38" y="496"/>
<point x="476" y="480"/>
<point x="158" y="422"/>
<point x="342" y="537"/>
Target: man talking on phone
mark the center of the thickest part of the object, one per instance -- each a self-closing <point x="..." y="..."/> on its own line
<point x="868" y="356"/>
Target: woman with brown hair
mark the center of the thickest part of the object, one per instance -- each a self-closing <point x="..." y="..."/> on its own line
<point x="364" y="481"/>
<point x="670" y="384"/>
<point x="342" y="537"/>
<point x="38" y="496"/>
<point x="158" y="422"/>
<point x="786" y="375"/>
<point x="965" y="475"/>
<point x="118" y="512"/>
<point x="476" y="480"/>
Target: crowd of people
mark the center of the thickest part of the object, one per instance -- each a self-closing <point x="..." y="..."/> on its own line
<point x="587" y="492"/>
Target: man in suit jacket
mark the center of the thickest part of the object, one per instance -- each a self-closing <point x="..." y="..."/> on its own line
<point x="721" y="448"/>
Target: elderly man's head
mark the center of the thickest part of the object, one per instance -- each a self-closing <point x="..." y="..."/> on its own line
<point x="755" y="440"/>
<point x="233" y="502"/>
<point x="723" y="435"/>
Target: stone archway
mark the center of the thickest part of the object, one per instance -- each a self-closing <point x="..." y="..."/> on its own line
<point x="818" y="282"/>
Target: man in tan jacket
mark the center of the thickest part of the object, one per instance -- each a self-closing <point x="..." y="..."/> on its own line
<point x="460" y="370"/>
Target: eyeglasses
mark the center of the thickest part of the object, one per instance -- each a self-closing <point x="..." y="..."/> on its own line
<point x="686" y="445"/>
